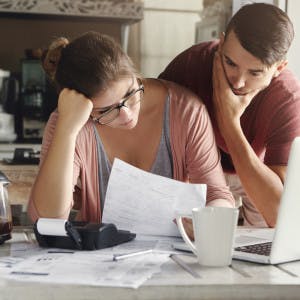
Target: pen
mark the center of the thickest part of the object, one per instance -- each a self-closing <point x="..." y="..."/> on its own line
<point x="184" y="266"/>
<point x="29" y="273"/>
<point x="132" y="254"/>
<point x="59" y="251"/>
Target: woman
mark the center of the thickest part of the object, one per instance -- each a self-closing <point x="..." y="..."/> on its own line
<point x="105" y="111"/>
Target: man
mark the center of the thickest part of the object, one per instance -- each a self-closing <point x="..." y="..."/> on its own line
<point x="253" y="102"/>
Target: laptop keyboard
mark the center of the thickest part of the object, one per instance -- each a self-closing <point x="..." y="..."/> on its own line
<point x="260" y="249"/>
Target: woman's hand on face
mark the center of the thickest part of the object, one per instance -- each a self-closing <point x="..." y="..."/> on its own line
<point x="74" y="109"/>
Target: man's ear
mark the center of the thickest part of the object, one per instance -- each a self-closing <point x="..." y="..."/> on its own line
<point x="222" y="38"/>
<point x="280" y="67"/>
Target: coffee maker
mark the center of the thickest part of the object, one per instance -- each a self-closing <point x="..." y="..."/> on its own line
<point x="37" y="100"/>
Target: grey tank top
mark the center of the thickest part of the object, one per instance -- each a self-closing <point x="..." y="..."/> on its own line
<point x="163" y="164"/>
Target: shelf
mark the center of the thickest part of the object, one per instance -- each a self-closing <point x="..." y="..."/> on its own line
<point x="124" y="11"/>
<point x="7" y="149"/>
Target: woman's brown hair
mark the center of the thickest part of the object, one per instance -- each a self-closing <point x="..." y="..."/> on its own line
<point x="87" y="64"/>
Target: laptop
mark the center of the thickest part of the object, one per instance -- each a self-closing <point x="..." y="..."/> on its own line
<point x="273" y="245"/>
<point x="285" y="245"/>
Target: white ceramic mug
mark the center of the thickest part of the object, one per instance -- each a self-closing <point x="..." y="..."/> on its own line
<point x="214" y="229"/>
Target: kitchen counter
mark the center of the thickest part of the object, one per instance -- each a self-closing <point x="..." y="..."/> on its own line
<point x="241" y="280"/>
<point x="21" y="178"/>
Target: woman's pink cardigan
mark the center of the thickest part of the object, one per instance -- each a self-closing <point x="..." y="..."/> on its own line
<point x="195" y="155"/>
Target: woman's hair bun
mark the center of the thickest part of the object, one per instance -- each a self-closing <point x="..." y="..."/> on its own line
<point x="51" y="56"/>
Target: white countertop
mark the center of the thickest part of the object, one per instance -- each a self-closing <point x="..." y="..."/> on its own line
<point x="242" y="280"/>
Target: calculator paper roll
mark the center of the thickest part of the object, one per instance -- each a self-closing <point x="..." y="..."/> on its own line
<point x="46" y="226"/>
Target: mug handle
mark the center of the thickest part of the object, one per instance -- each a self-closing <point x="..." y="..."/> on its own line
<point x="184" y="235"/>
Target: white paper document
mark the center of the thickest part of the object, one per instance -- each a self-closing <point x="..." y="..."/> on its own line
<point x="92" y="268"/>
<point x="145" y="203"/>
<point x="97" y="268"/>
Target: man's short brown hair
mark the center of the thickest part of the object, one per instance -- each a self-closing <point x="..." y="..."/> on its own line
<point x="264" y="30"/>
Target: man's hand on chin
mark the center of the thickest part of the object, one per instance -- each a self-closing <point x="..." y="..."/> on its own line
<point x="228" y="106"/>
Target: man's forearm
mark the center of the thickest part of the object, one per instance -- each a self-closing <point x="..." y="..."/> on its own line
<point x="262" y="185"/>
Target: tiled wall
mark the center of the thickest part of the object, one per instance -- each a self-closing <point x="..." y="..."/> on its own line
<point x="167" y="29"/>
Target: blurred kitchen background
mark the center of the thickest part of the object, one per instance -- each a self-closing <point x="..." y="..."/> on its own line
<point x="152" y="32"/>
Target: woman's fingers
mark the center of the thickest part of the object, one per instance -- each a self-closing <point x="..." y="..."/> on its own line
<point x="188" y="226"/>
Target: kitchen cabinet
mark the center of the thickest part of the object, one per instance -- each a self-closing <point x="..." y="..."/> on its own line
<point x="33" y="24"/>
<point x="124" y="12"/>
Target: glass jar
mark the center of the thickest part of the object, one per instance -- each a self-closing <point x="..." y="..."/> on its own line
<point x="5" y="210"/>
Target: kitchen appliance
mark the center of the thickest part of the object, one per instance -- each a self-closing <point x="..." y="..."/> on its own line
<point x="23" y="156"/>
<point x="60" y="233"/>
<point x="9" y="93"/>
<point x="37" y="100"/>
<point x="3" y="76"/>
<point x="5" y="211"/>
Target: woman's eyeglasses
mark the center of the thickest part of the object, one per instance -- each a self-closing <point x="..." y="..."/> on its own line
<point x="113" y="112"/>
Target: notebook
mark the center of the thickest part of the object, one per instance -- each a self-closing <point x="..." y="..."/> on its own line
<point x="280" y="244"/>
<point x="285" y="245"/>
